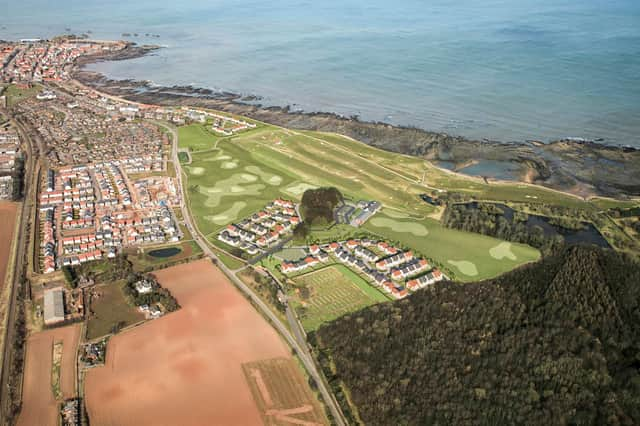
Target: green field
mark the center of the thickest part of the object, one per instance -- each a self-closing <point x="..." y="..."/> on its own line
<point x="240" y="174"/>
<point x="110" y="310"/>
<point x="329" y="293"/>
<point x="15" y="94"/>
<point x="470" y="256"/>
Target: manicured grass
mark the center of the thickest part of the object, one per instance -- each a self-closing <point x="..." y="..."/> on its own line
<point x="110" y="310"/>
<point x="229" y="261"/>
<point x="332" y="292"/>
<point x="445" y="245"/>
<point x="196" y="137"/>
<point x="416" y="168"/>
<point x="246" y="171"/>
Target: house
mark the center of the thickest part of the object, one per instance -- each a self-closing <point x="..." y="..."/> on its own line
<point x="314" y="249"/>
<point x="365" y="254"/>
<point x="144" y="287"/>
<point x="397" y="259"/>
<point x="352" y="244"/>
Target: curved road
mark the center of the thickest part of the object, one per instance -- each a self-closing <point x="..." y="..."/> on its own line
<point x="298" y="343"/>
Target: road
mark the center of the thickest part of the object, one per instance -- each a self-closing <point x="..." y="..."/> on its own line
<point x="27" y="208"/>
<point x="299" y="342"/>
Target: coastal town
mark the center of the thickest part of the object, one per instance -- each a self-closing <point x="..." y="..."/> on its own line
<point x="147" y="229"/>
<point x="108" y="187"/>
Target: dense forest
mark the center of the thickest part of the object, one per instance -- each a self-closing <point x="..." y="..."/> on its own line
<point x="553" y="342"/>
<point x="317" y="205"/>
<point x="489" y="219"/>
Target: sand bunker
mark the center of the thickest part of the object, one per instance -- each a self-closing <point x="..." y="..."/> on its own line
<point x="229" y="165"/>
<point x="501" y="251"/>
<point x="267" y="177"/>
<point x="248" y="178"/>
<point x="298" y="188"/>
<point x="465" y="267"/>
<point x="227" y="215"/>
<point x="414" y="228"/>
<point x="234" y="185"/>
<point x="196" y="171"/>
<point x="186" y="367"/>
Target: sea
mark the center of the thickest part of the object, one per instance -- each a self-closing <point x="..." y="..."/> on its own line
<point x="507" y="70"/>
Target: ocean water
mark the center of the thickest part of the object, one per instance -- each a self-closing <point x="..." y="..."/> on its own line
<point x="498" y="69"/>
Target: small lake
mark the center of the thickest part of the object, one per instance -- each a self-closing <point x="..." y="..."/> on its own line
<point x="503" y="170"/>
<point x="164" y="252"/>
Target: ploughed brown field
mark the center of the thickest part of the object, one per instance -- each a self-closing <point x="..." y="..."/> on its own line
<point x="186" y="367"/>
<point x="39" y="406"/>
<point x="8" y="213"/>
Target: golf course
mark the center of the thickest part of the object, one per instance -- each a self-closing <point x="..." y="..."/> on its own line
<point x="232" y="177"/>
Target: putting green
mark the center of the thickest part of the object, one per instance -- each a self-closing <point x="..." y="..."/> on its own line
<point x="298" y="189"/>
<point x="501" y="251"/>
<point x="196" y="171"/>
<point x="290" y="254"/>
<point x="465" y="267"/>
<point x="413" y="228"/>
<point x="270" y="178"/>
<point x="228" y="215"/>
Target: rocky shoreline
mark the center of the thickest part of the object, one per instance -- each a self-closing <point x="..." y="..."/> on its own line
<point x="583" y="168"/>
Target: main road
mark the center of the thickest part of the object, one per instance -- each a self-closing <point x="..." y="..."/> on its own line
<point x="297" y="342"/>
<point x="27" y="209"/>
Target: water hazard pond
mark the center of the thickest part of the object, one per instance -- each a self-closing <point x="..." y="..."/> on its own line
<point x="164" y="252"/>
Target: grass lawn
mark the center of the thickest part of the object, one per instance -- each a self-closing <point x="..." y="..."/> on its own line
<point x="467" y="254"/>
<point x="246" y="171"/>
<point x="229" y="261"/>
<point x="110" y="310"/>
<point x="15" y="94"/>
<point x="329" y="293"/>
<point x="196" y="137"/>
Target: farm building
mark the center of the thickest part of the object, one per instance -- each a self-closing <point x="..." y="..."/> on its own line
<point x="53" y="306"/>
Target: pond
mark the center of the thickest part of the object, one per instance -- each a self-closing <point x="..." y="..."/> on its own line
<point x="589" y="234"/>
<point x="165" y="252"/>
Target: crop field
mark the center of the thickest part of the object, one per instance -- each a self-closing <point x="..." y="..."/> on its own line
<point x="8" y="213"/>
<point x="282" y="394"/>
<point x="329" y="293"/>
<point x="110" y="311"/>
<point x="39" y="405"/>
<point x="186" y="367"/>
<point x="470" y="256"/>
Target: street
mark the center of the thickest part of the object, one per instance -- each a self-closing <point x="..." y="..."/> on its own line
<point x="298" y="343"/>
